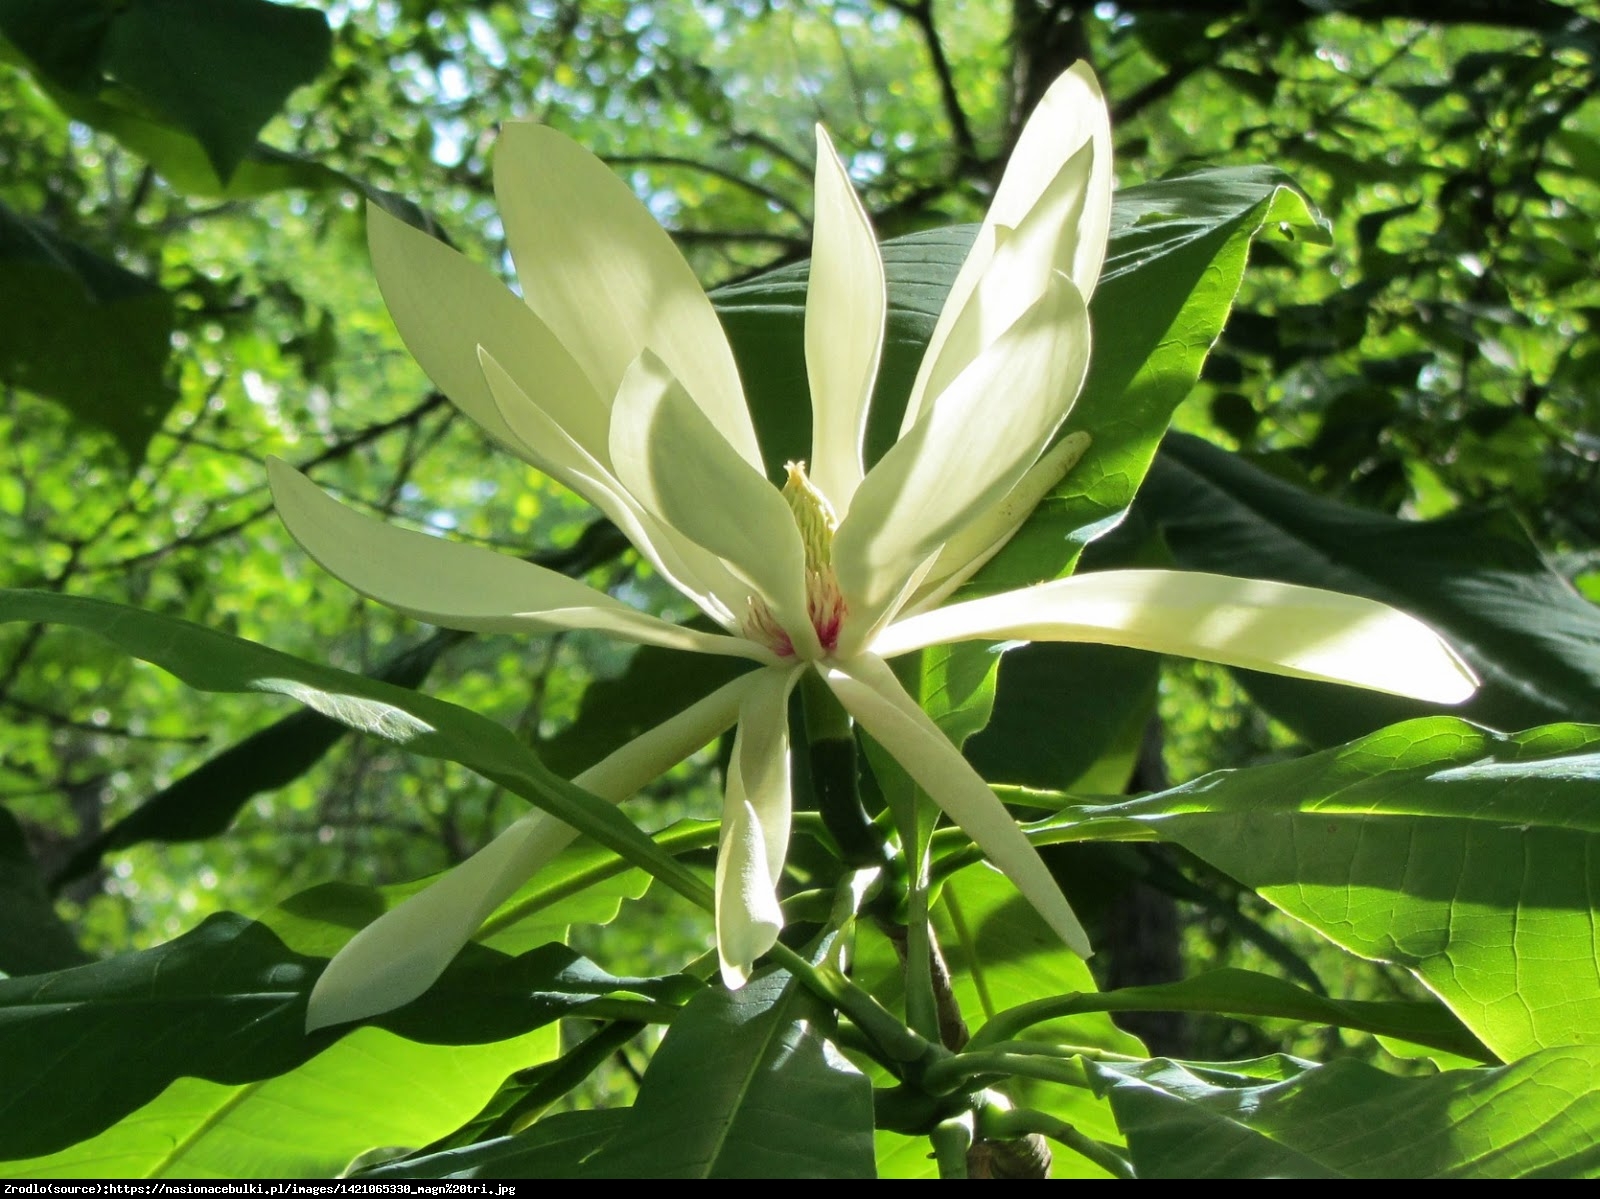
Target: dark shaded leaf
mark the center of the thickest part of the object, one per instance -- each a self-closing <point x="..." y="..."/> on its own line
<point x="33" y="938"/>
<point x="82" y="331"/>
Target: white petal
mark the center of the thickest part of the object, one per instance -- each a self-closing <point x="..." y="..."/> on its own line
<point x="607" y="279"/>
<point x="445" y="306"/>
<point x="755" y="827"/>
<point x="873" y="696"/>
<point x="1279" y="628"/>
<point x="697" y="573"/>
<point x="971" y="549"/>
<point x="845" y="303"/>
<point x="1019" y="270"/>
<point x="399" y="956"/>
<point x="1070" y="120"/>
<point x="668" y="454"/>
<point x="963" y="457"/>
<point x="463" y="586"/>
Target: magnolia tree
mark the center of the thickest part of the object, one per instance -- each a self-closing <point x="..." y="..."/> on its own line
<point x="873" y="474"/>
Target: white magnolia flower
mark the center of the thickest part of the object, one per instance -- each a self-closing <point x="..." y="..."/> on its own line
<point x="612" y="375"/>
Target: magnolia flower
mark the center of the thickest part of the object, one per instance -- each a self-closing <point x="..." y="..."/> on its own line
<point x="612" y="375"/>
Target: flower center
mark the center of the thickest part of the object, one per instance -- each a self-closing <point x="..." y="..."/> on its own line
<point x="815" y="519"/>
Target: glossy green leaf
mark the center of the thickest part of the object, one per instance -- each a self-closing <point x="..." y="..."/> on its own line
<point x="1470" y="857"/>
<point x="1534" y="1119"/>
<point x="745" y="1085"/>
<point x="213" y="661"/>
<point x="84" y="332"/>
<point x="33" y="939"/>
<point x="1476" y="578"/>
<point x="227" y="1003"/>
<point x="309" y="1123"/>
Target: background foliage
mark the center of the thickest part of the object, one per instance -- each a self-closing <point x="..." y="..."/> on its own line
<point x="184" y="290"/>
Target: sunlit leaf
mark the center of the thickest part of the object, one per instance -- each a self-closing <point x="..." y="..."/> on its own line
<point x="1532" y="1119"/>
<point x="1470" y="857"/>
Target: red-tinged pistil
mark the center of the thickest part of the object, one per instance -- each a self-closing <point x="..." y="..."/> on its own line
<point x="825" y="606"/>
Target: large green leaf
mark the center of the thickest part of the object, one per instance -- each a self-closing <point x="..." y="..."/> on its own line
<point x="1538" y="1118"/>
<point x="227" y="1003"/>
<point x="218" y="69"/>
<point x="214" y="661"/>
<point x="82" y="331"/>
<point x="1471" y="857"/>
<point x="309" y="1123"/>
<point x="745" y="1085"/>
<point x="33" y="938"/>
<point x="1476" y="578"/>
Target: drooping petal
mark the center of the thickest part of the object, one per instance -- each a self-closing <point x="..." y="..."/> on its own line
<point x="670" y="457"/>
<point x="607" y="279"/>
<point x="845" y="304"/>
<point x="399" y="956"/>
<point x="1279" y="628"/>
<point x="964" y="456"/>
<point x="873" y="696"/>
<point x="755" y="827"/>
<point x="1070" y="125"/>
<point x="446" y="305"/>
<point x="695" y="572"/>
<point x="462" y="586"/>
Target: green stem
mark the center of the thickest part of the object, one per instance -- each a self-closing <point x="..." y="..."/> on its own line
<point x="952" y="1141"/>
<point x="999" y="1125"/>
<point x="957" y="1071"/>
<point x="922" y="1007"/>
<point x="903" y="1049"/>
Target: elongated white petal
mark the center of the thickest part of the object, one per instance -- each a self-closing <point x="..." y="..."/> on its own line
<point x="1071" y="117"/>
<point x="1279" y="628"/>
<point x="696" y="572"/>
<point x="677" y="465"/>
<point x="462" y="586"/>
<point x="399" y="956"/>
<point x="445" y="306"/>
<point x="1018" y="273"/>
<point x="963" y="457"/>
<point x="845" y="304"/>
<point x="755" y="827"/>
<point x="607" y="279"/>
<point x="873" y="696"/>
<point x="970" y="549"/>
